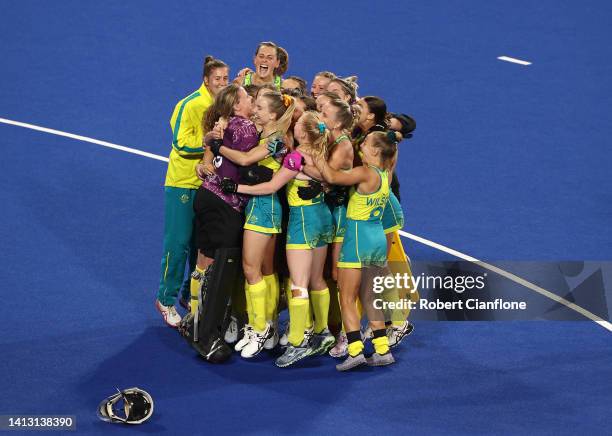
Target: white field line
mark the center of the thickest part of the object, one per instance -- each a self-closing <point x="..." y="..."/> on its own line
<point x="83" y="138"/>
<point x="605" y="324"/>
<point x="513" y="60"/>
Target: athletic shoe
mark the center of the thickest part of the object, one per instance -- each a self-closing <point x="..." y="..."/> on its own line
<point x="284" y="340"/>
<point x="396" y="334"/>
<point x="171" y="317"/>
<point x="248" y="332"/>
<point x="294" y="354"/>
<point x="273" y="339"/>
<point x="256" y="344"/>
<point x="322" y="342"/>
<point x="185" y="304"/>
<point x="351" y="362"/>
<point x="341" y="347"/>
<point x="380" y="359"/>
<point x="231" y="334"/>
<point x="308" y="335"/>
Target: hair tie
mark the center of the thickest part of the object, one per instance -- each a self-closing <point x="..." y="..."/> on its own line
<point x="287" y="99"/>
<point x="391" y="136"/>
<point x="321" y="125"/>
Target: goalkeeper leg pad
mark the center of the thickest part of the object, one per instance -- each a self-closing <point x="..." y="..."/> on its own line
<point x="217" y="285"/>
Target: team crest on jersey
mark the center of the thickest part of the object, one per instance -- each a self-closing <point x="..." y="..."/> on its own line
<point x="377" y="212"/>
<point x="217" y="161"/>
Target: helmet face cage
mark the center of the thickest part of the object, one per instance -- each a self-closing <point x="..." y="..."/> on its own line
<point x="137" y="407"/>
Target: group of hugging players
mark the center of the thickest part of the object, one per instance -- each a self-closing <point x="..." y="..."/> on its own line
<point x="278" y="196"/>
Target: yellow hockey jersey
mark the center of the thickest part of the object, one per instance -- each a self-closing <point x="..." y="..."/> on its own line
<point x="187" y="137"/>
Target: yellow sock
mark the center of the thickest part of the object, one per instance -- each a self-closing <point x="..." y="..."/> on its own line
<point x="320" y="307"/>
<point x="249" y="305"/>
<point x="381" y="344"/>
<point x="272" y="294"/>
<point x="335" y="315"/>
<point x="355" y="348"/>
<point x="258" y="305"/>
<point x="396" y="316"/>
<point x="287" y="289"/>
<point x="194" y="288"/>
<point x="309" y="320"/>
<point x="298" y="314"/>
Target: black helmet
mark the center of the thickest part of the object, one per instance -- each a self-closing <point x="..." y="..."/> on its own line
<point x="408" y="124"/>
<point x="137" y="407"/>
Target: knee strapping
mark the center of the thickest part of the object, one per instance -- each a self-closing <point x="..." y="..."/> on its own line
<point x="299" y="292"/>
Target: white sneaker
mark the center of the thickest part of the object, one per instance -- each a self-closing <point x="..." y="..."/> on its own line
<point x="341" y="347"/>
<point x="284" y="340"/>
<point x="231" y="334"/>
<point x="380" y="359"/>
<point x="256" y="344"/>
<point x="171" y="317"/>
<point x="396" y="334"/>
<point x="272" y="340"/>
<point x="352" y="362"/>
<point x="248" y="332"/>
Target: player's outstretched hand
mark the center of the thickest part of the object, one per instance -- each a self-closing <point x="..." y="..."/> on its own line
<point x="240" y="77"/>
<point x="219" y="128"/>
<point x="309" y="192"/>
<point x="215" y="146"/>
<point x="337" y="195"/>
<point x="255" y="174"/>
<point x="229" y="186"/>
<point x="277" y="147"/>
<point x="203" y="170"/>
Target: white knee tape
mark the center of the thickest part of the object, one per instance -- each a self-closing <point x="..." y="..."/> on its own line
<point x="299" y="292"/>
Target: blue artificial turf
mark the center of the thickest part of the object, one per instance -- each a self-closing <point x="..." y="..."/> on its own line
<point x="507" y="162"/>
